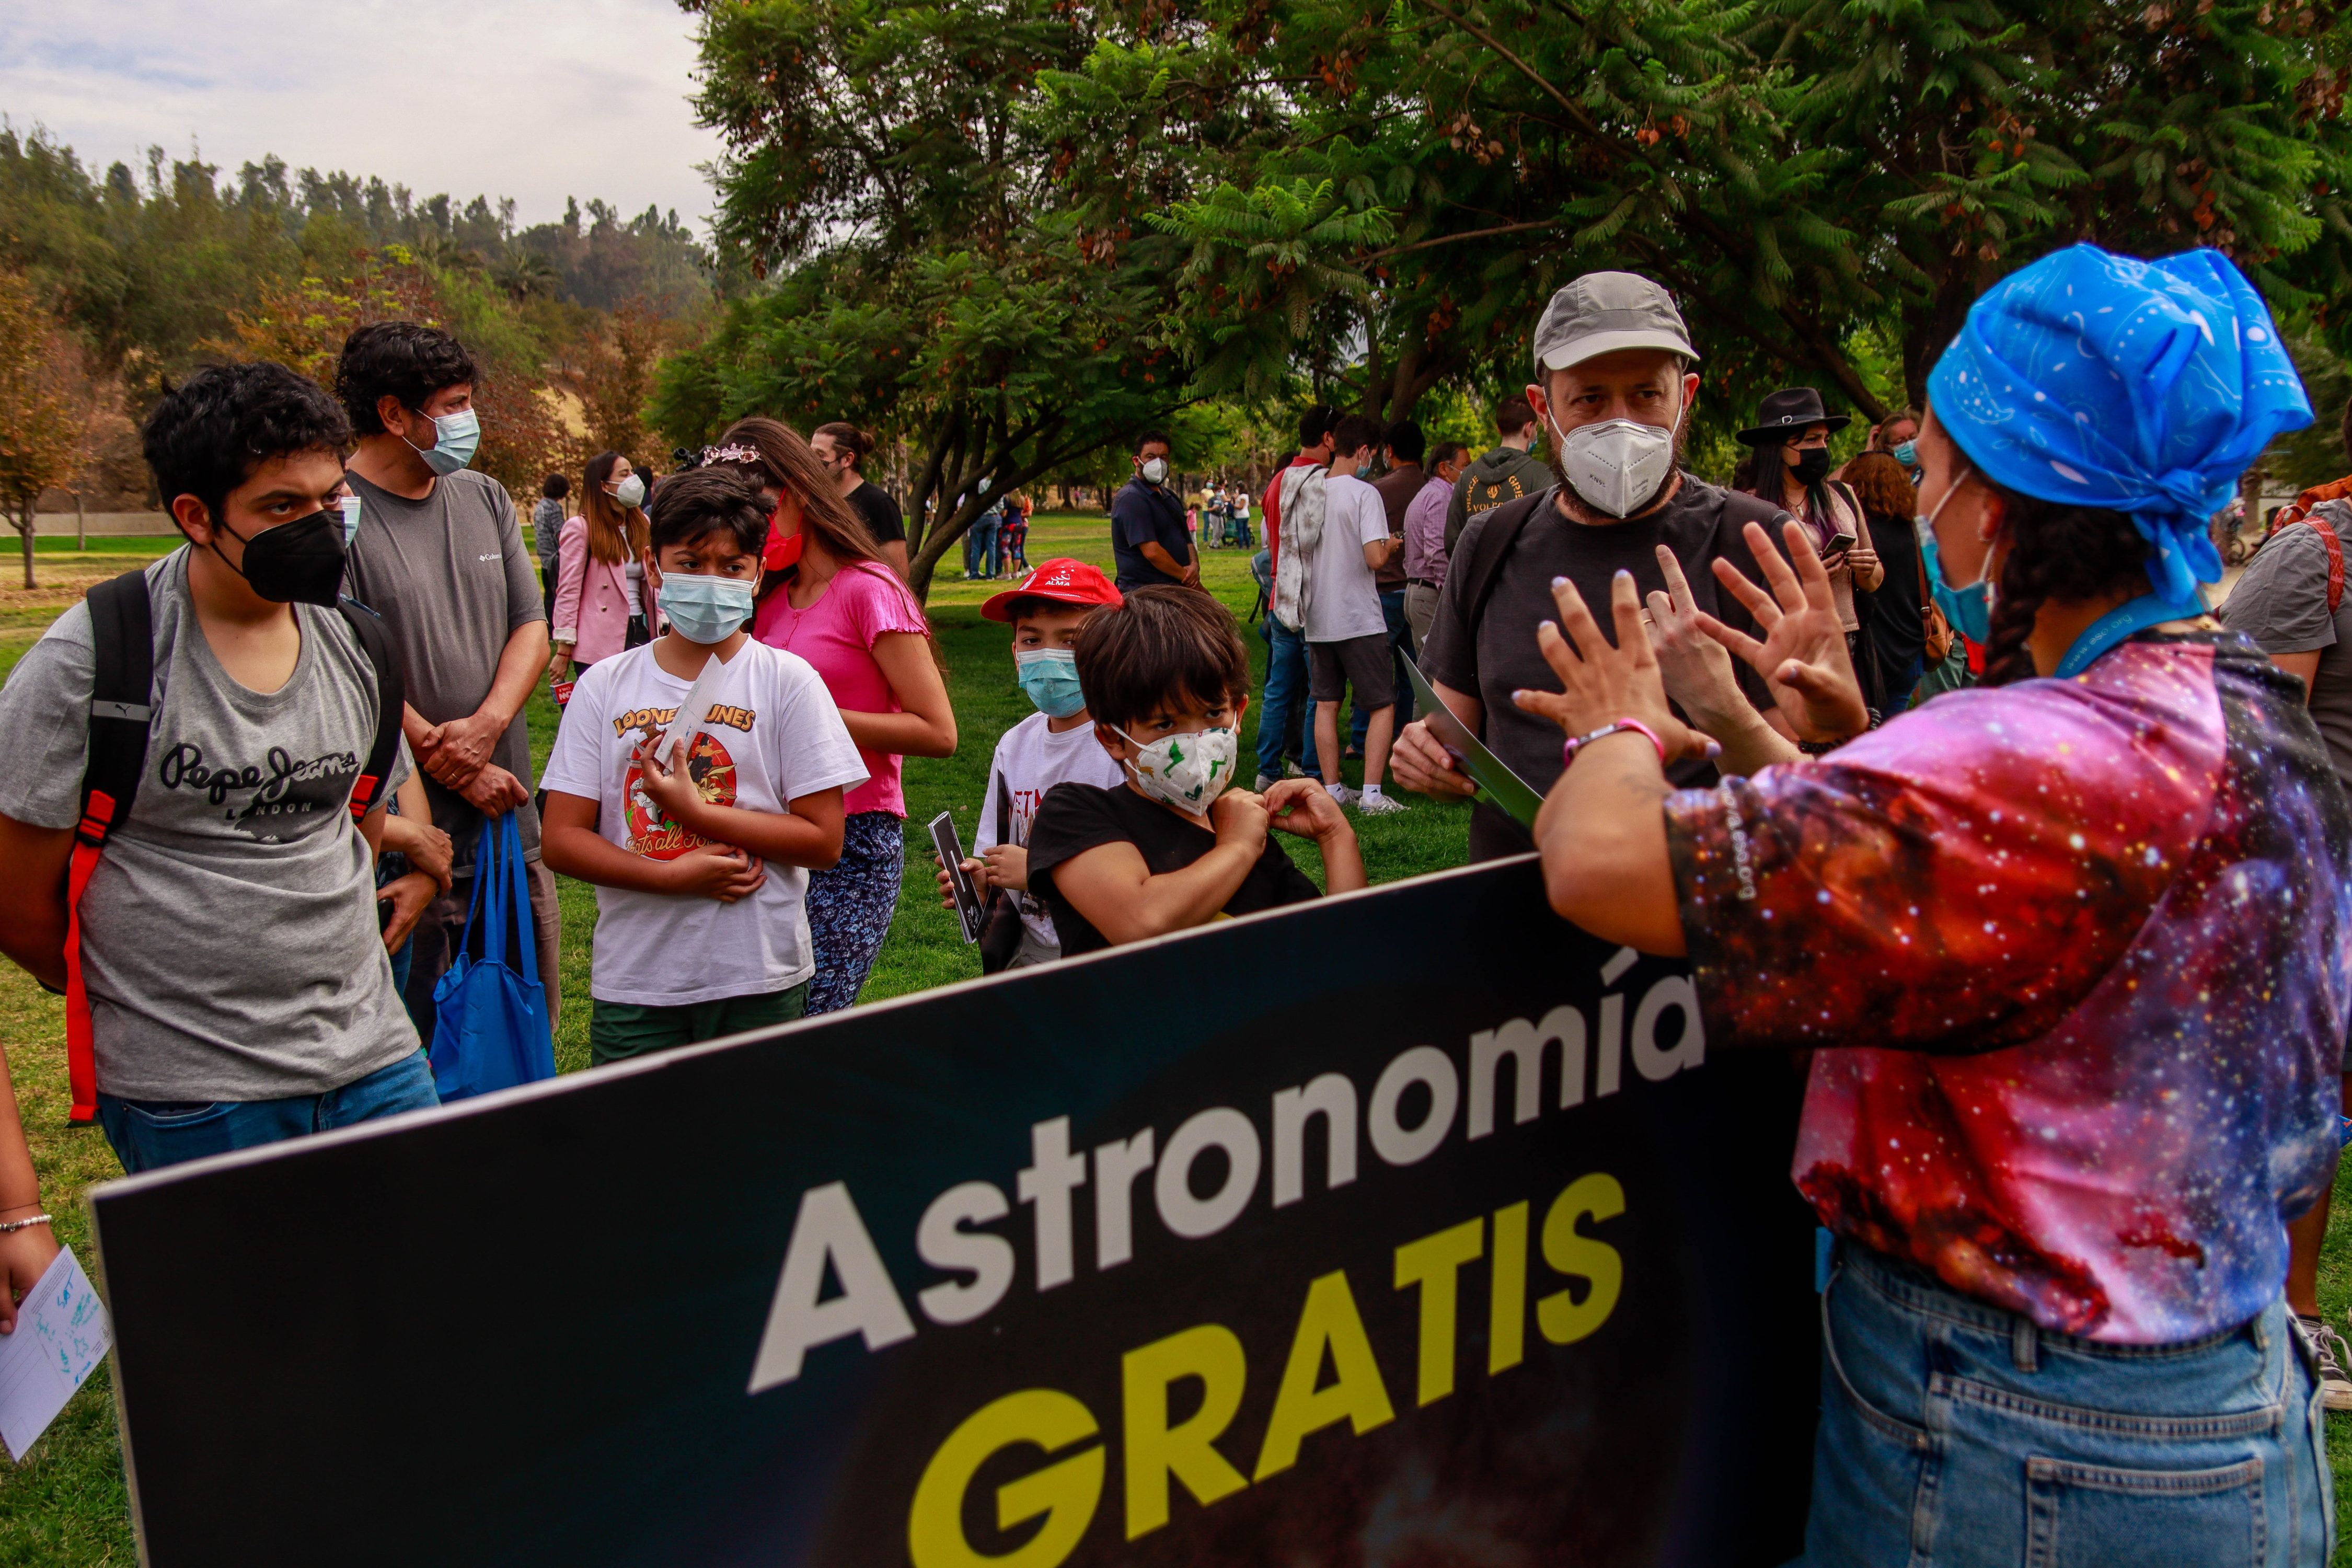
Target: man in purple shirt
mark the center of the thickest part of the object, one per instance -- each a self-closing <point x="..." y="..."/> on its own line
<point x="1424" y="537"/>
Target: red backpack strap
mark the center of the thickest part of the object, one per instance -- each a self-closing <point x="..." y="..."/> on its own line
<point x="390" y="700"/>
<point x="122" y="647"/>
<point x="2335" y="559"/>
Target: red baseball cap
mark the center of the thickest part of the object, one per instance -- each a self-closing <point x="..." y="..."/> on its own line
<point x="1064" y="581"/>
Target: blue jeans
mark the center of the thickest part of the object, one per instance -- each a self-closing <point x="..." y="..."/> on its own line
<point x="1905" y="683"/>
<point x="150" y="1133"/>
<point x="1284" y="697"/>
<point x="979" y="549"/>
<point x="1956" y="1435"/>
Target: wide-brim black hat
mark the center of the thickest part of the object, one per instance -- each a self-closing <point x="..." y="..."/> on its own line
<point x="1787" y="413"/>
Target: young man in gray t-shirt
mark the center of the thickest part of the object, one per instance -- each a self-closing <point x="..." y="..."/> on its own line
<point x="439" y="555"/>
<point x="240" y="991"/>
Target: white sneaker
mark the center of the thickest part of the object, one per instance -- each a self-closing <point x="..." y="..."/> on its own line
<point x="2331" y="1352"/>
<point x="1380" y="804"/>
<point x="1344" y="794"/>
<point x="1293" y="771"/>
<point x="1263" y="784"/>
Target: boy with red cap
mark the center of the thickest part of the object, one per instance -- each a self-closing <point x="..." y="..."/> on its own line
<point x="1053" y="745"/>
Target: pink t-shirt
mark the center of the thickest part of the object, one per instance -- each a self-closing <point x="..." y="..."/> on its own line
<point x="836" y="634"/>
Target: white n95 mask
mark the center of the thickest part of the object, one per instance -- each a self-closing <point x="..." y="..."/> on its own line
<point x="1187" y="772"/>
<point x="1616" y="465"/>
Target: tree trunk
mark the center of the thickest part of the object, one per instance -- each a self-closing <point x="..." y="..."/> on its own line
<point x="25" y="523"/>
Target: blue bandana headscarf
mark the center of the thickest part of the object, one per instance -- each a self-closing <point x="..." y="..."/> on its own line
<point x="2144" y="387"/>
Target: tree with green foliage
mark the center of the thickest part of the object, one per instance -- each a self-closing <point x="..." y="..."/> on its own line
<point x="932" y="268"/>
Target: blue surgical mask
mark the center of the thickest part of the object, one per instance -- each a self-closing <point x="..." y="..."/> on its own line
<point x="1970" y="609"/>
<point x="706" y="610"/>
<point x="1050" y="676"/>
<point x="458" y="436"/>
<point x="1907" y="454"/>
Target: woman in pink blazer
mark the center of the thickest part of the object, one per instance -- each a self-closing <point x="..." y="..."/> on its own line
<point x="600" y="596"/>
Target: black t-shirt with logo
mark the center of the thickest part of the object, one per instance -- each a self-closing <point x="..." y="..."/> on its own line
<point x="1076" y="817"/>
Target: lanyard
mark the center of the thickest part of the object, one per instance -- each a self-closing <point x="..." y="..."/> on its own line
<point x="2131" y="616"/>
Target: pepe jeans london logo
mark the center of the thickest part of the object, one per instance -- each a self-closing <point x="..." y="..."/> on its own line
<point x="283" y="800"/>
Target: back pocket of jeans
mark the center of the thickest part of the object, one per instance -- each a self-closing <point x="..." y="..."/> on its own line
<point x="2096" y="1516"/>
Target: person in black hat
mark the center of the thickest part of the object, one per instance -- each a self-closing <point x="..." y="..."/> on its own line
<point x="1788" y="465"/>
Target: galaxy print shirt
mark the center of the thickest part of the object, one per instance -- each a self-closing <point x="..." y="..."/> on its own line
<point x="2077" y="948"/>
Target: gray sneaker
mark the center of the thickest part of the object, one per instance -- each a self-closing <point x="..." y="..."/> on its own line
<point x="2328" y="1347"/>
<point x="1263" y="784"/>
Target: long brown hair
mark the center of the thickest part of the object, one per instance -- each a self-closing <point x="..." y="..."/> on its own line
<point x="858" y="443"/>
<point x="616" y="534"/>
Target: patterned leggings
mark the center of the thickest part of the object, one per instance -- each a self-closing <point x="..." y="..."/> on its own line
<point x="849" y="907"/>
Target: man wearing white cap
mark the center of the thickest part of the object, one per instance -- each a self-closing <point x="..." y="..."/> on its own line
<point x="1613" y="389"/>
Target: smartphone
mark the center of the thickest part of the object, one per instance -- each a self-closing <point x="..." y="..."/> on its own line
<point x="1838" y="545"/>
<point x="950" y="853"/>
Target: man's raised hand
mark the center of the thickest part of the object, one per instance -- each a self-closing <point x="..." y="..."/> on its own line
<point x="1802" y="656"/>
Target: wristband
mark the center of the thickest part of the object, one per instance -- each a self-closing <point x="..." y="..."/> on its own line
<point x="16" y="1225"/>
<point x="1578" y="742"/>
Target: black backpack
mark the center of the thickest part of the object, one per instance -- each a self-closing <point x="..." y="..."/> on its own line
<point x="122" y="646"/>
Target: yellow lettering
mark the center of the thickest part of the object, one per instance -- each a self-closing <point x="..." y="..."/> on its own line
<point x="1506" y="1313"/>
<point x="1563" y="1319"/>
<point x="1066" y="1491"/>
<point x="1357" y="1393"/>
<point x="1434" y="1263"/>
<point x="1156" y="1451"/>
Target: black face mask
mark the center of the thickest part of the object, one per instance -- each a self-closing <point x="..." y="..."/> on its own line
<point x="1813" y="466"/>
<point x="297" y="563"/>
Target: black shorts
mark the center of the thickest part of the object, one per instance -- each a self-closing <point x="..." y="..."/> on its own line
<point x="1361" y="664"/>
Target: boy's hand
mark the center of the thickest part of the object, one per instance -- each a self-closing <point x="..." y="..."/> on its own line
<point x="1305" y="807"/>
<point x="1008" y="867"/>
<point x="426" y="847"/>
<point x="717" y="872"/>
<point x="1239" y="818"/>
<point x="974" y="869"/>
<point x="25" y="1257"/>
<point x="670" y="788"/>
<point x="409" y="895"/>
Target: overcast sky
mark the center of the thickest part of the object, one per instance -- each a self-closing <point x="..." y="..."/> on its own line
<point x="537" y="99"/>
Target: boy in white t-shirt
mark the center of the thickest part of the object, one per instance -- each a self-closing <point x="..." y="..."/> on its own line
<point x="1053" y="745"/>
<point x="700" y="865"/>
<point x="1347" y="634"/>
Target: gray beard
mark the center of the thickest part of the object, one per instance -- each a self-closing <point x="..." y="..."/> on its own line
<point x="1575" y="507"/>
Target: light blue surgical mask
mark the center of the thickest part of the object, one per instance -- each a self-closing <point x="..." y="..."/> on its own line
<point x="350" y="505"/>
<point x="1907" y="454"/>
<point x="1050" y="676"/>
<point x="458" y="437"/>
<point x="1970" y="609"/>
<point x="706" y="610"/>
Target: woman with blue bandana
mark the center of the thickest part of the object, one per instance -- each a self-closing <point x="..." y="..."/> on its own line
<point x="2069" y="949"/>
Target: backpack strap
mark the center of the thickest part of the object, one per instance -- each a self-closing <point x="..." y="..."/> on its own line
<point x="2327" y="537"/>
<point x="122" y="648"/>
<point x="391" y="698"/>
<point x="1498" y="530"/>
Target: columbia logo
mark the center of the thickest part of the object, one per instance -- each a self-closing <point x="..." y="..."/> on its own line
<point x="493" y="555"/>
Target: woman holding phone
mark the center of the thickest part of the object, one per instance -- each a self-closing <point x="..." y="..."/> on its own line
<point x="1788" y="465"/>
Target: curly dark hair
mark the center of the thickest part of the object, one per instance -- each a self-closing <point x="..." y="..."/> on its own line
<point x="2055" y="552"/>
<point x="401" y="359"/>
<point x="206" y="436"/>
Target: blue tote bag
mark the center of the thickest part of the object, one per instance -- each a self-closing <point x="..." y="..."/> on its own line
<point x="490" y="1024"/>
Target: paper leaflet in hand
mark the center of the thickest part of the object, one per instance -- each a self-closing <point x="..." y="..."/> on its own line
<point x="692" y="712"/>
<point x="62" y="1333"/>
<point x="1497" y="784"/>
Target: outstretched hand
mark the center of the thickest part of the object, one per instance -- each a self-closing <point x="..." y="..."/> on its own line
<point x="1697" y="668"/>
<point x="1802" y="656"/>
<point x="1601" y="683"/>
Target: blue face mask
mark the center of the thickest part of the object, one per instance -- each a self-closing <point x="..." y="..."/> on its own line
<point x="706" y="610"/>
<point x="1050" y="676"/>
<point x="1970" y="609"/>
<point x="458" y="436"/>
<point x="1907" y="454"/>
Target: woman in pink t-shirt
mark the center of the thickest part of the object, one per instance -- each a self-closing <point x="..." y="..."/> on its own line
<point x="827" y="596"/>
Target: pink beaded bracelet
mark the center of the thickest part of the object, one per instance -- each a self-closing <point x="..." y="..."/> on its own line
<point x="1578" y="742"/>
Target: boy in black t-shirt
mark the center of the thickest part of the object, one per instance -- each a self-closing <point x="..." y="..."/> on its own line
<point x="1166" y="678"/>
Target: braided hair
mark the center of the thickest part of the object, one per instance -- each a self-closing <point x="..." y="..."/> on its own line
<point x="2055" y="552"/>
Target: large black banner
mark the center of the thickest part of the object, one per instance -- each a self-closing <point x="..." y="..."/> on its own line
<point x="1411" y="1227"/>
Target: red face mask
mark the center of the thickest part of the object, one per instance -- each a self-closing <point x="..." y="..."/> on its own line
<point x="783" y="550"/>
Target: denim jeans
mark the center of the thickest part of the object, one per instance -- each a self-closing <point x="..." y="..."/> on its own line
<point x="150" y="1134"/>
<point x="979" y="548"/>
<point x="1956" y="1434"/>
<point x="1284" y="697"/>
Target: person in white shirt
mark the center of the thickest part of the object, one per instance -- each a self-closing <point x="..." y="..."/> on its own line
<point x="1347" y="634"/>
<point x="700" y="858"/>
<point x="1055" y="745"/>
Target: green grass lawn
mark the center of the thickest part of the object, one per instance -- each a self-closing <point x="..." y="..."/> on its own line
<point x="66" y="1504"/>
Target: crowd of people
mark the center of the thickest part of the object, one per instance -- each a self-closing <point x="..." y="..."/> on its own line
<point x="2067" y="946"/>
